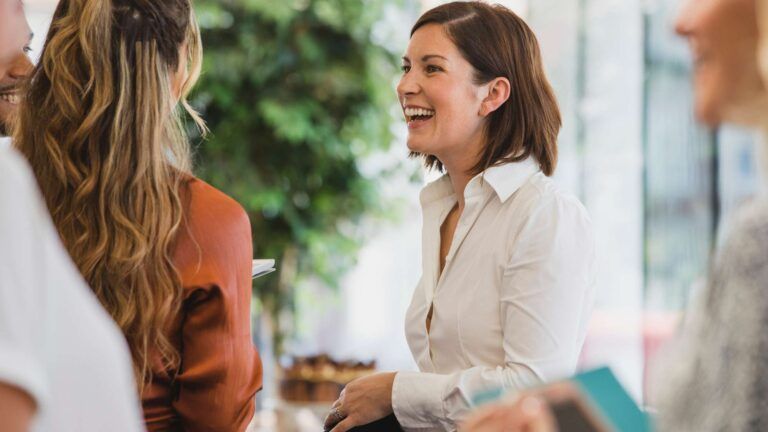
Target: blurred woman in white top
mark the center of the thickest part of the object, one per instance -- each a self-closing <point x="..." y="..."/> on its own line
<point x="64" y="365"/>
<point x="508" y="259"/>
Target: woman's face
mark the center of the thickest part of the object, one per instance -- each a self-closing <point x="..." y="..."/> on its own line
<point x="440" y="100"/>
<point x="723" y="39"/>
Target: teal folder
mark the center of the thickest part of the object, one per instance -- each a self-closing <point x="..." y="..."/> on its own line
<point x="616" y="406"/>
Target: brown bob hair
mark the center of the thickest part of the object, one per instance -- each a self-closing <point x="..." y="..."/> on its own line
<point x="498" y="43"/>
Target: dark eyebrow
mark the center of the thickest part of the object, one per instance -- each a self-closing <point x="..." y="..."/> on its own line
<point x="431" y="56"/>
<point x="31" y="35"/>
<point x="426" y="58"/>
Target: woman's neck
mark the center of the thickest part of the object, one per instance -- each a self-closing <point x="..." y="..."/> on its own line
<point x="459" y="170"/>
<point x="459" y="167"/>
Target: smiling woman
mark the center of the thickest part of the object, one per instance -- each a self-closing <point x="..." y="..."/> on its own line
<point x="452" y="64"/>
<point x="508" y="259"/>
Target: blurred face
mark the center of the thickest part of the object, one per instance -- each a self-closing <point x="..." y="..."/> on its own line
<point x="18" y="69"/>
<point x="723" y="38"/>
<point x="440" y="100"/>
<point x="14" y="31"/>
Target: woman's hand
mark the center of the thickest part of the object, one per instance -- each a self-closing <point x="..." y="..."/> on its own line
<point x="527" y="414"/>
<point x="362" y="401"/>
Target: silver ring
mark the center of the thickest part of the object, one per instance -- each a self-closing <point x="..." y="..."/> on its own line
<point x="337" y="415"/>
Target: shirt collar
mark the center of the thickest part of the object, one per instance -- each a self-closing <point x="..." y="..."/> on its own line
<point x="504" y="179"/>
<point x="436" y="190"/>
<point x="508" y="178"/>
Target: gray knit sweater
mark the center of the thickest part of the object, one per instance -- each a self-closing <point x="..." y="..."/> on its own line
<point x="717" y="377"/>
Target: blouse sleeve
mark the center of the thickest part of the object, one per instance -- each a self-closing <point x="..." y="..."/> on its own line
<point x="546" y="292"/>
<point x="220" y="369"/>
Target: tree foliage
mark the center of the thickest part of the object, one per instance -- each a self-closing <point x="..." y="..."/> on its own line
<point x="296" y="93"/>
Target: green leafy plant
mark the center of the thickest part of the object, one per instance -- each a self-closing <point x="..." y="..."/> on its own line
<point x="296" y="94"/>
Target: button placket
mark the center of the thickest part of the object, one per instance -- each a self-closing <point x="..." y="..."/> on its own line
<point x="474" y="204"/>
<point x="435" y="275"/>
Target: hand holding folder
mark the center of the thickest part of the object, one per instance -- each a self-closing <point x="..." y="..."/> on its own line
<point x="593" y="401"/>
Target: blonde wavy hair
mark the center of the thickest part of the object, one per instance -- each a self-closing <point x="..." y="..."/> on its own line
<point x="102" y="130"/>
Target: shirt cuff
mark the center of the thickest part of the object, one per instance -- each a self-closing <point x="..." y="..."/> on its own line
<point x="417" y="399"/>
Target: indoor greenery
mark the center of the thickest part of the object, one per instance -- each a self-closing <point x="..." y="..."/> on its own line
<point x="296" y="94"/>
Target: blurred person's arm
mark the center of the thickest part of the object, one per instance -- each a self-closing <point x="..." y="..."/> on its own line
<point x="23" y="383"/>
<point x="16" y="409"/>
<point x="546" y="291"/>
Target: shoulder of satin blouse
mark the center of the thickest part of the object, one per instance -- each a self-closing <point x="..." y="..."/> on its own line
<point x="214" y="216"/>
<point x="215" y="236"/>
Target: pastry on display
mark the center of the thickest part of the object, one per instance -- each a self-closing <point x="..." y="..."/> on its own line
<point x="320" y="378"/>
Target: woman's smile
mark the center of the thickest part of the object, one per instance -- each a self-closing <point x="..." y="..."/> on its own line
<point x="417" y="117"/>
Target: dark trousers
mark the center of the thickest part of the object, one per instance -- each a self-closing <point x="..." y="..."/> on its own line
<point x="387" y="424"/>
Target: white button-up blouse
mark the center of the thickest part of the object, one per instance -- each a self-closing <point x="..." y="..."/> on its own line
<point x="512" y="304"/>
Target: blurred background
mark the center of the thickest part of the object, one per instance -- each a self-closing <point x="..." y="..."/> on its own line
<point x="306" y="133"/>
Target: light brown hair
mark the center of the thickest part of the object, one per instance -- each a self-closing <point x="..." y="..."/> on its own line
<point x="498" y="43"/>
<point x="101" y="129"/>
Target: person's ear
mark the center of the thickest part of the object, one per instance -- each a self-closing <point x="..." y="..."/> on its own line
<point x="498" y="93"/>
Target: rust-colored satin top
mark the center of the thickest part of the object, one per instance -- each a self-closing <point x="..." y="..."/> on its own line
<point x="220" y="370"/>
